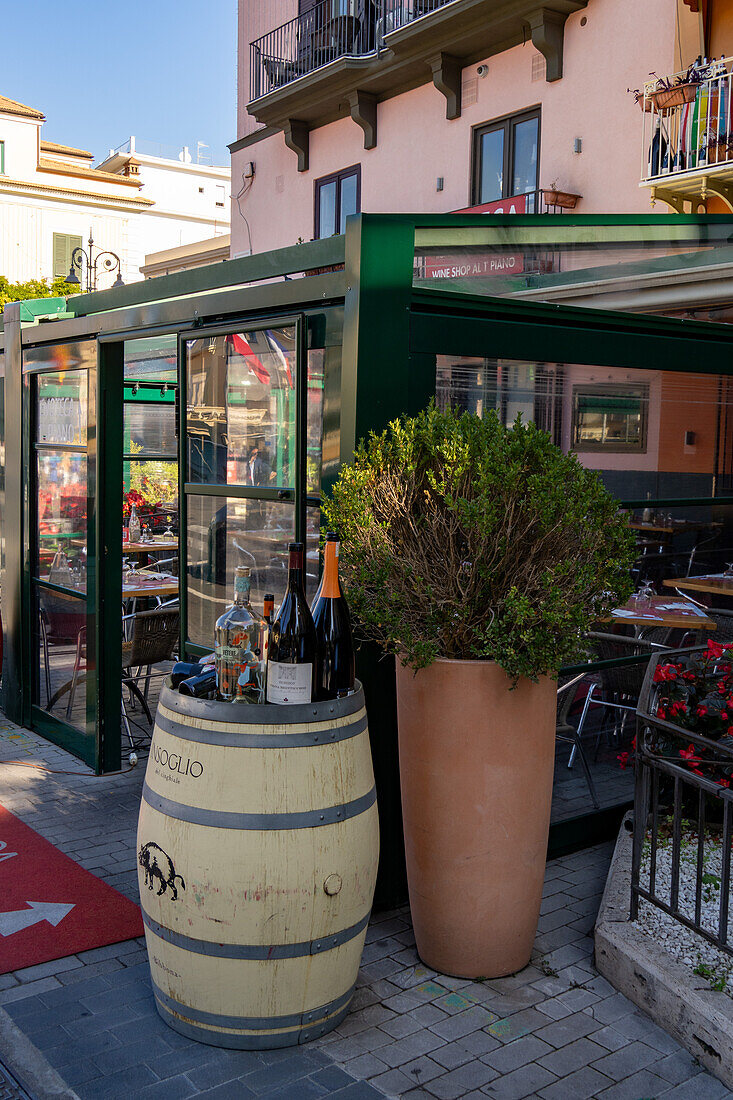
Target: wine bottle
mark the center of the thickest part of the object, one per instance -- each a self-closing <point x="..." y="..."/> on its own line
<point x="335" y="648"/>
<point x="291" y="654"/>
<point x="133" y="525"/>
<point x="268" y="609"/>
<point x="182" y="670"/>
<point x="241" y="637"/>
<point x="201" y="685"/>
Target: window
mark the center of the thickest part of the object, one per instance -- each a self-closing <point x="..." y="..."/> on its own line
<point x="610" y="418"/>
<point x="2" y="158"/>
<point x="63" y="246"/>
<point x="336" y="197"/>
<point x="506" y="158"/>
<point x="201" y="190"/>
<point x="220" y="194"/>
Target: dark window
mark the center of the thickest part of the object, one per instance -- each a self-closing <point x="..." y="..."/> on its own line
<point x="336" y="197"/>
<point x="610" y="418"/>
<point x="506" y="158"/>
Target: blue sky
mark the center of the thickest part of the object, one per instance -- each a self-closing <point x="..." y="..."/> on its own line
<point x="101" y="70"/>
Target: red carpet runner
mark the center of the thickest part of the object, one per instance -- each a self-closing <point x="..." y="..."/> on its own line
<point x="51" y="907"/>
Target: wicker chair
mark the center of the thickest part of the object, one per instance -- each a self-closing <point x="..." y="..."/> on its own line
<point x="617" y="688"/>
<point x="154" y="639"/>
<point x="723" y="620"/>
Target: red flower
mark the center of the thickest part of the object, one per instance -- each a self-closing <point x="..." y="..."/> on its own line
<point x="717" y="649"/>
<point x="723" y="782"/>
<point x="701" y="711"/>
<point x="665" y="672"/>
<point x="623" y="760"/>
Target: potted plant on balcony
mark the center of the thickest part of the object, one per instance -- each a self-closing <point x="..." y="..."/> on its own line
<point x="564" y="199"/>
<point x="478" y="554"/>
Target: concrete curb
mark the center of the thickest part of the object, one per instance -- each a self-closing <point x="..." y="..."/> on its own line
<point x="697" y="1017"/>
<point x="28" y="1065"/>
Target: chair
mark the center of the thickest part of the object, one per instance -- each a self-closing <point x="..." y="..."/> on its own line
<point x="59" y="626"/>
<point x="154" y="639"/>
<point x="617" y="688"/>
<point x="723" y="620"/>
<point x="564" y="731"/>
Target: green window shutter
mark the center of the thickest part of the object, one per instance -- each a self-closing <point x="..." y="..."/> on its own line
<point x="2" y="158"/>
<point x="63" y="246"/>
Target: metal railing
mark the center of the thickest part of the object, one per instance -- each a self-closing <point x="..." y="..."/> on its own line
<point x="683" y="821"/>
<point x="687" y="121"/>
<point x="331" y="29"/>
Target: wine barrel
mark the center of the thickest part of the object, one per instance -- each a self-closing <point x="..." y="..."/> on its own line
<point x="257" y="854"/>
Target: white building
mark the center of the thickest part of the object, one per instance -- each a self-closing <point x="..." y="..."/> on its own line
<point x="51" y="195"/>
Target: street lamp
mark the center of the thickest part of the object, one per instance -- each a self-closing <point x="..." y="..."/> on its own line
<point x="107" y="261"/>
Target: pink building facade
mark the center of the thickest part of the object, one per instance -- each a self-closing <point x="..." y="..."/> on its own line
<point x="375" y="125"/>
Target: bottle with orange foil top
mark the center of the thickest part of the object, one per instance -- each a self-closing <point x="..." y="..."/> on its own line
<point x="335" y="648"/>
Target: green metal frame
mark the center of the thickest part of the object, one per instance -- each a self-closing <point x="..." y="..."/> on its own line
<point x="391" y="333"/>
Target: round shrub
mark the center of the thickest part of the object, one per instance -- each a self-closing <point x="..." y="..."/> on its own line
<point x="465" y="539"/>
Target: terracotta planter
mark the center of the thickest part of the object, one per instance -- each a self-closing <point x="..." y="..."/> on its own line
<point x="564" y="199"/>
<point x="476" y="768"/>
<point x="667" y="98"/>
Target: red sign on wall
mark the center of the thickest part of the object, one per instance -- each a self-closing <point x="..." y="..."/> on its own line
<point x="517" y="204"/>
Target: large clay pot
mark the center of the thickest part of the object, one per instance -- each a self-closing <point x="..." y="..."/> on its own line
<point x="476" y="769"/>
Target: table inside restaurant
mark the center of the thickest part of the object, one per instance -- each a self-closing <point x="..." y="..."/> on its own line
<point x="149" y="547"/>
<point x="154" y="587"/>
<point x="664" y="611"/>
<point x="715" y="584"/>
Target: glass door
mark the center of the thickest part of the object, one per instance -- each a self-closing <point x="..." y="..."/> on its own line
<point x="246" y="465"/>
<point x="61" y="387"/>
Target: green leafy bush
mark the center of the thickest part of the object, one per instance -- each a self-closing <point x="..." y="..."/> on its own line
<point x="465" y="539"/>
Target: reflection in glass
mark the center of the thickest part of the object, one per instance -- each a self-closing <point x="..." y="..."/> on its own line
<point x="241" y="408"/>
<point x="154" y="357"/>
<point x="491" y="183"/>
<point x="525" y="156"/>
<point x="315" y="420"/>
<point x="62" y="408"/>
<point x="223" y="533"/>
<point x="61" y="357"/>
<point x="327" y="209"/>
<point x="312" y="552"/>
<point x="61" y="647"/>
<point x="348" y="200"/>
<point x="61" y="480"/>
<point x="150" y="428"/>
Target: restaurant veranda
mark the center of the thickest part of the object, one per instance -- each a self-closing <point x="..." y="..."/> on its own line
<point x="220" y="403"/>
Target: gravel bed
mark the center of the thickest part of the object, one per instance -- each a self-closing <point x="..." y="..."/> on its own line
<point x="706" y="961"/>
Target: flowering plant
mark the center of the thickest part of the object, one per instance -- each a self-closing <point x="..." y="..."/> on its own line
<point x="695" y="693"/>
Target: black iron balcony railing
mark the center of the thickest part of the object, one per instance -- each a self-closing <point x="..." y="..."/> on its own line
<point x="331" y="29"/>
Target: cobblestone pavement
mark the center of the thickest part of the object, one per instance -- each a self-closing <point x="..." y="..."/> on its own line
<point x="556" y="1030"/>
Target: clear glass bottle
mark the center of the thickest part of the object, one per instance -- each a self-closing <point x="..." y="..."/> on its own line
<point x="241" y="645"/>
<point x="134" y="526"/>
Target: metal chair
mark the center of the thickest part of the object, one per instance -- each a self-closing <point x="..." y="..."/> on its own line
<point x="154" y="639"/>
<point x="617" y="688"/>
<point x="564" y="731"/>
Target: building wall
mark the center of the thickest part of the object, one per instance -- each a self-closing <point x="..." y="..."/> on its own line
<point x="256" y="17"/>
<point x="621" y="42"/>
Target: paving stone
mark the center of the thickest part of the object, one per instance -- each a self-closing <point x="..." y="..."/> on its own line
<point x="400" y="1026"/>
<point x="622" y="1063"/>
<point x="228" y="1090"/>
<point x="175" y="1088"/>
<point x="331" y="1078"/>
<point x="565" y="1031"/>
<point x="412" y="1046"/>
<point x="572" y="1057"/>
<point x="642" y="1084"/>
<point x="127" y="1082"/>
<point x="480" y="1043"/>
<point x="455" y="1027"/>
<point x="581" y="1085"/>
<point x="426" y="1015"/>
<point x="28" y="989"/>
<point x="392" y="1083"/>
<point x="613" y="1008"/>
<point x="610" y="1038"/>
<point x="455" y="1083"/>
<point x="637" y="1026"/>
<point x="365" y="1066"/>
<point x="678" y="1067"/>
<point x="453" y="1055"/>
<point x="526" y="1081"/>
<point x="516" y="1054"/>
<point x="422" y="1070"/>
<point x="702" y="1087"/>
<point x="554" y="1009"/>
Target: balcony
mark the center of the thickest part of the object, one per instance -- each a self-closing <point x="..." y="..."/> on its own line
<point x="687" y="136"/>
<point x="344" y="56"/>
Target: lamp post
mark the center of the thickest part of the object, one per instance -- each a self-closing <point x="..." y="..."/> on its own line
<point x="107" y="261"/>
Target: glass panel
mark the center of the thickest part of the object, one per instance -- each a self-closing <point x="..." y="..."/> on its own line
<point x="223" y="533"/>
<point x="604" y="266"/>
<point x="61" y="647"/>
<point x="491" y="181"/>
<point x="315" y="420"/>
<point x="154" y="357"/>
<point x="348" y="200"/>
<point x="61" y="480"/>
<point x="241" y="408"/>
<point x="62" y="408"/>
<point x="327" y="209"/>
<point x="525" y="156"/>
<point x="61" y="357"/>
<point x="312" y="552"/>
<point x="150" y="428"/>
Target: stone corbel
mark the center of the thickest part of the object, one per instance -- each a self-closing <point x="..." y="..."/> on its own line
<point x="677" y="202"/>
<point x="296" y="136"/>
<point x="363" y="107"/>
<point x="547" y="29"/>
<point x="723" y="190"/>
<point x="447" y="79"/>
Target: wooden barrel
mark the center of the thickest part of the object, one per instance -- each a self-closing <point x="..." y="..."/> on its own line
<point x="257" y="857"/>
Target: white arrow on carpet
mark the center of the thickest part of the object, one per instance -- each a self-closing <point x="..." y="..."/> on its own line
<point x="53" y="912"/>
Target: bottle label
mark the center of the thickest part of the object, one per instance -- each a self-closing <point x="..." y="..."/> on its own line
<point x="242" y="586"/>
<point x="228" y="652"/>
<point x="289" y="683"/>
